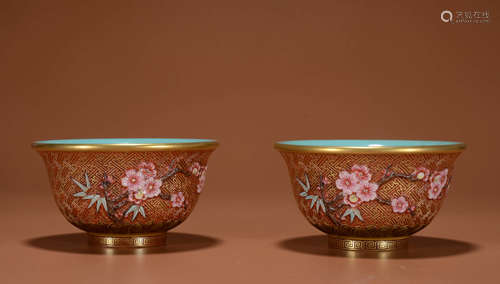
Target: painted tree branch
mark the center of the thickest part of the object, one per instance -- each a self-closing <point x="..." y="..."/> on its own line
<point x="384" y="201"/>
<point x="389" y="174"/>
<point x="109" y="202"/>
<point x="173" y="172"/>
<point x="169" y="174"/>
<point x="120" y="204"/>
<point x="119" y="197"/>
<point x="338" y="197"/>
<point x="447" y="187"/>
<point x="165" y="196"/>
<point x="339" y="206"/>
<point x="327" y="211"/>
<point x="114" y="204"/>
<point x="333" y="206"/>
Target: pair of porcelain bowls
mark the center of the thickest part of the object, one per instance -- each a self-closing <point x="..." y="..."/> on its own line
<point x="365" y="194"/>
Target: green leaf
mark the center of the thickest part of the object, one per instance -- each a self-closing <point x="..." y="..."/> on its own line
<point x="89" y="197"/>
<point x="352" y="213"/>
<point x="141" y="209"/>
<point x="136" y="210"/>
<point x="80" y="194"/>
<point x="322" y="205"/>
<point x="132" y="208"/>
<point x="92" y="201"/>
<point x="98" y="205"/>
<point x="104" y="204"/>
<point x="357" y="213"/>
<point x="306" y="186"/>
<point x="81" y="186"/>
<point x="313" y="199"/>
<point x="87" y="180"/>
<point x="346" y="212"/>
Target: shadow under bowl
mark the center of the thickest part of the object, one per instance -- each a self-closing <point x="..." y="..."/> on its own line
<point x="417" y="247"/>
<point x="78" y="243"/>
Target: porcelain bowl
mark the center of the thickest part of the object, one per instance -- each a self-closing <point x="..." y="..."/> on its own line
<point x="126" y="192"/>
<point x="369" y="194"/>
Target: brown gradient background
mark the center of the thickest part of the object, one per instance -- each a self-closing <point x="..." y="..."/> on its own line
<point x="247" y="73"/>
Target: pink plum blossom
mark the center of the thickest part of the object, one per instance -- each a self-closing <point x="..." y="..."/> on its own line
<point x="109" y="179"/>
<point x="133" y="180"/>
<point x="152" y="187"/>
<point x="367" y="191"/>
<point x="352" y="199"/>
<point x="177" y="199"/>
<point x="421" y="173"/>
<point x="137" y="196"/>
<point x="361" y="172"/>
<point x="439" y="178"/>
<point x="325" y="180"/>
<point x="148" y="169"/>
<point x="201" y="181"/>
<point x="106" y="181"/>
<point x="196" y="169"/>
<point x="434" y="191"/>
<point x="347" y="182"/>
<point x="399" y="205"/>
<point x="385" y="172"/>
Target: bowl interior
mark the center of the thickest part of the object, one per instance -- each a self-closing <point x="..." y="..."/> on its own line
<point x="370" y="146"/>
<point x="129" y="141"/>
<point x="368" y="143"/>
<point x="125" y="144"/>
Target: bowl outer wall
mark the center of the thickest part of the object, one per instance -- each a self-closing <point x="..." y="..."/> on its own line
<point x="379" y="218"/>
<point x="68" y="168"/>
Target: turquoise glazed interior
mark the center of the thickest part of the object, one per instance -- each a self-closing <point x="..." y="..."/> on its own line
<point x="367" y="143"/>
<point x="125" y="141"/>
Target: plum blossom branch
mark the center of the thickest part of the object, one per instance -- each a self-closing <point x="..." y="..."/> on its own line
<point x="138" y="185"/>
<point x="383" y="201"/>
<point x="119" y="197"/>
<point x="105" y="183"/>
<point x="322" y="184"/>
<point x="137" y="195"/>
<point x="389" y="174"/>
<point x="356" y="187"/>
<point x="118" y="205"/>
<point x="173" y="172"/>
<point x="337" y="198"/>
<point x="165" y="196"/>
<point x="446" y="186"/>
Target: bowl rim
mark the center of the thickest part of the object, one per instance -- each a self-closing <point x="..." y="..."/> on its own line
<point x="356" y="146"/>
<point x="124" y="144"/>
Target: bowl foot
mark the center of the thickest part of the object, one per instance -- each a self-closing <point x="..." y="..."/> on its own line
<point x="367" y="244"/>
<point x="127" y="241"/>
